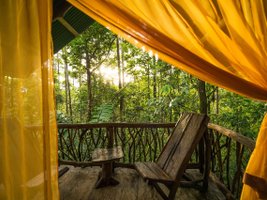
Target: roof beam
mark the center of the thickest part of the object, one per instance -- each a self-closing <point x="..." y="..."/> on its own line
<point x="59" y="13"/>
<point x="68" y="26"/>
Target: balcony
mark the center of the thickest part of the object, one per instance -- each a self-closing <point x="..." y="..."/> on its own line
<point x="143" y="142"/>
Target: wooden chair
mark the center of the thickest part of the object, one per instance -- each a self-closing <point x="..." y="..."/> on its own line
<point x="174" y="158"/>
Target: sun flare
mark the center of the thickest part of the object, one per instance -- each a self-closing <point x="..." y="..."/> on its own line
<point x="111" y="75"/>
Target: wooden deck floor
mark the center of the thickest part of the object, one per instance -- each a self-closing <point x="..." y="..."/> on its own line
<point x="78" y="184"/>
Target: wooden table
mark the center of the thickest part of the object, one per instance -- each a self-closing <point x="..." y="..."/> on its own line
<point x="107" y="157"/>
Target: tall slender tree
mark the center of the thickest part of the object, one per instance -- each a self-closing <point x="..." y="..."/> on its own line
<point x="64" y="56"/>
<point x="120" y="77"/>
<point x="202" y="96"/>
<point x="93" y="48"/>
<point x="154" y="77"/>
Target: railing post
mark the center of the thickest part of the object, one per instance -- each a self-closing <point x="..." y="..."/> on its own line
<point x="207" y="160"/>
<point x="110" y="132"/>
<point x="201" y="154"/>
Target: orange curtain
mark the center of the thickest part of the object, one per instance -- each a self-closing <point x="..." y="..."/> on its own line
<point x="28" y="133"/>
<point x="223" y="42"/>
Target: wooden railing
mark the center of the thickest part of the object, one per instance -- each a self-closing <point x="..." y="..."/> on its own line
<point x="143" y="142"/>
<point x="140" y="142"/>
<point x="230" y="152"/>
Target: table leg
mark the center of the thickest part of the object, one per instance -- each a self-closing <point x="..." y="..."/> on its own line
<point x="106" y="178"/>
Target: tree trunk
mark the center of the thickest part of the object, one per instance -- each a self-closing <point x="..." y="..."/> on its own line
<point x="122" y="68"/>
<point x="148" y="81"/>
<point x="89" y="87"/>
<point x="55" y="79"/>
<point x="154" y="78"/>
<point x="58" y="64"/>
<point x="81" y="114"/>
<point x="67" y="87"/>
<point x="202" y="96"/>
<point x="70" y="103"/>
<point x="217" y="100"/>
<point x="120" y="78"/>
<point x="123" y="82"/>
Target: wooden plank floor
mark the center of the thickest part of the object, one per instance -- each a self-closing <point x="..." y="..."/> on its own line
<point x="78" y="184"/>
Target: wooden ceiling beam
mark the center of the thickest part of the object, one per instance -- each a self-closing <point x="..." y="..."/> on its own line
<point x="68" y="26"/>
<point x="59" y="12"/>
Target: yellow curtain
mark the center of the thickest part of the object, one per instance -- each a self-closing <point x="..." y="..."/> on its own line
<point x="223" y="42"/>
<point x="28" y="134"/>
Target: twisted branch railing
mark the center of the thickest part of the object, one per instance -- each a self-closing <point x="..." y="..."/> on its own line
<point x="143" y="142"/>
<point x="140" y="142"/>
<point x="230" y="152"/>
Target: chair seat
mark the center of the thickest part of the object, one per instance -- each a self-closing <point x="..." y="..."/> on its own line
<point x="151" y="171"/>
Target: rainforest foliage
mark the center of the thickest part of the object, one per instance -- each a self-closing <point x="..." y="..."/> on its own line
<point x="100" y="77"/>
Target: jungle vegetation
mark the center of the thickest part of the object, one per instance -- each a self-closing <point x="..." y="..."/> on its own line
<point x="99" y="77"/>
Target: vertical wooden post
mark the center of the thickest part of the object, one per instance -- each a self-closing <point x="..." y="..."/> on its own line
<point x="207" y="161"/>
<point x="201" y="155"/>
<point x="110" y="132"/>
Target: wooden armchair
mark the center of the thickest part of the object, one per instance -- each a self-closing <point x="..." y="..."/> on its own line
<point x="174" y="158"/>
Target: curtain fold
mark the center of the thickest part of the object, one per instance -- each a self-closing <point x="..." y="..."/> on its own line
<point x="222" y="42"/>
<point x="184" y="34"/>
<point x="28" y="133"/>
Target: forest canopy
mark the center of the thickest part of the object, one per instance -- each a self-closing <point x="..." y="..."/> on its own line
<point x="100" y="77"/>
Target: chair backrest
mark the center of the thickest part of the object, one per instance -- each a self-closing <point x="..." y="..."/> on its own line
<point x="186" y="135"/>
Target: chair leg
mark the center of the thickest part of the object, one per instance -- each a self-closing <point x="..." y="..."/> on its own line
<point x="113" y="167"/>
<point x="160" y="191"/>
<point x="173" y="190"/>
